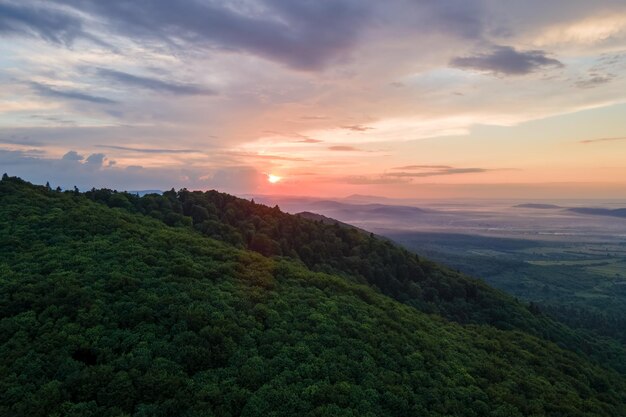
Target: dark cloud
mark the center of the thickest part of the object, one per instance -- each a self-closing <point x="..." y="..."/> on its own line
<point x="72" y="156"/>
<point x="95" y="159"/>
<point x="357" y="128"/>
<point x="44" y="22"/>
<point x="306" y="35"/>
<point x="437" y="172"/>
<point x="301" y="34"/>
<point x="14" y="159"/>
<point x="53" y="92"/>
<point x="73" y="169"/>
<point x="508" y="61"/>
<point x="146" y="150"/>
<point x="603" y="140"/>
<point x="153" y="84"/>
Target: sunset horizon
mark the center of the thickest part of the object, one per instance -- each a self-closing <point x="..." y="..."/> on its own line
<point x="420" y="100"/>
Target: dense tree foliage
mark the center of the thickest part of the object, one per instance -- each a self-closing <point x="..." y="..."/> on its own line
<point x="361" y="257"/>
<point x="105" y="312"/>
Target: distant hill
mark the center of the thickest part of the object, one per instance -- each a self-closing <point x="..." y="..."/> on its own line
<point x="621" y="212"/>
<point x="593" y="211"/>
<point x="537" y="206"/>
<point x="326" y="220"/>
<point x="364" y="199"/>
<point x="365" y="211"/>
<point x="203" y="304"/>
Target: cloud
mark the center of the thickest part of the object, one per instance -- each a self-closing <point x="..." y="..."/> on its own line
<point x="305" y="35"/>
<point x="284" y="31"/>
<point x="507" y="61"/>
<point x="53" y="119"/>
<point x="603" y="140"/>
<point x="369" y="180"/>
<point x="314" y="117"/>
<point x="301" y="138"/>
<point x="21" y="141"/>
<point x="95" y="160"/>
<point x="74" y="170"/>
<point x="153" y="84"/>
<point x="595" y="80"/>
<point x="72" y="156"/>
<point x="246" y="155"/>
<point x="52" y="92"/>
<point x="146" y="150"/>
<point x="438" y="172"/>
<point x="344" y="148"/>
<point x="357" y="128"/>
<point x="254" y="52"/>
<point x="46" y="23"/>
<point x="308" y="140"/>
<point x="13" y="159"/>
<point x="411" y="167"/>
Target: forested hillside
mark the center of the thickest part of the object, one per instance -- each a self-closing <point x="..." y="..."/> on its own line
<point x="200" y="304"/>
<point x="360" y="257"/>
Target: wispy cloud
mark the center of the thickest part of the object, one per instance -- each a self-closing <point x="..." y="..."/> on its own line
<point x="46" y="23"/>
<point x="308" y="140"/>
<point x="21" y="141"/>
<point x="345" y="148"/>
<point x="153" y="84"/>
<point x="595" y="80"/>
<point x="299" y="138"/>
<point x="303" y="138"/>
<point x="357" y="128"/>
<point x="411" y="167"/>
<point x="603" y="140"/>
<point x="146" y="150"/>
<point x="268" y="157"/>
<point x="53" y="119"/>
<point x="314" y="117"/>
<point x="45" y="90"/>
<point x="437" y="172"/>
<point x="284" y="31"/>
<point x="370" y="180"/>
<point x="507" y="60"/>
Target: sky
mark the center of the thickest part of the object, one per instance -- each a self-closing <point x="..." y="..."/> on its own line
<point x="401" y="98"/>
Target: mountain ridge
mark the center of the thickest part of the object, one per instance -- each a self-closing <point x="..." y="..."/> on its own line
<point x="109" y="311"/>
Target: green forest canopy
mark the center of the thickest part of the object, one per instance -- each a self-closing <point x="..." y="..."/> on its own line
<point x="196" y="304"/>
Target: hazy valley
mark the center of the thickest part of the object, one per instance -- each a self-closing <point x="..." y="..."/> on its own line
<point x="567" y="256"/>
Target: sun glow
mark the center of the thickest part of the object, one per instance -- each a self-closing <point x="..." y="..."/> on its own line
<point x="273" y="179"/>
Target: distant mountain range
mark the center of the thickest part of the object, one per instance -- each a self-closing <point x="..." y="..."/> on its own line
<point x="593" y="211"/>
<point x="346" y="211"/>
<point x="378" y="209"/>
<point x="621" y="212"/>
<point x="538" y="206"/>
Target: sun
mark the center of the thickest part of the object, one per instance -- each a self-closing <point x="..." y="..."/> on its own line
<point x="273" y="179"/>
